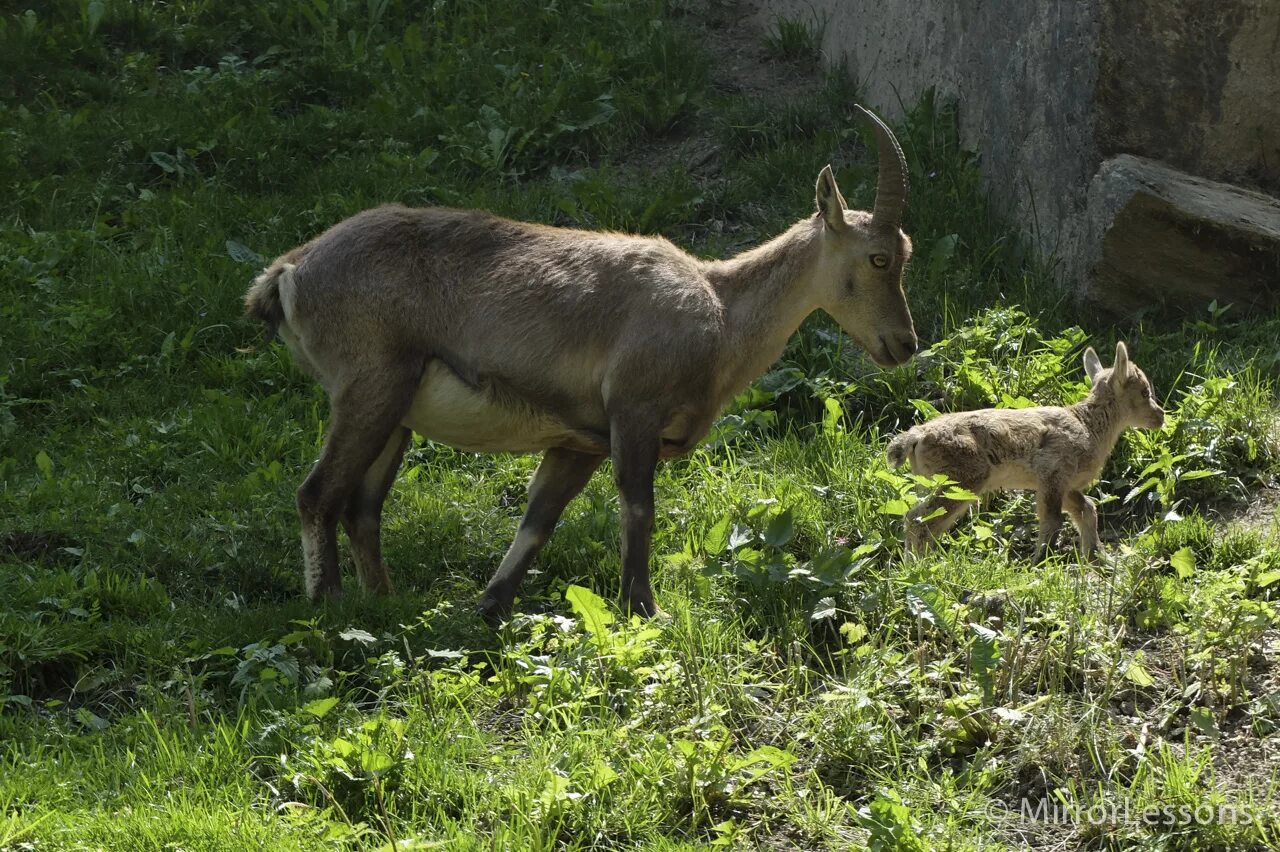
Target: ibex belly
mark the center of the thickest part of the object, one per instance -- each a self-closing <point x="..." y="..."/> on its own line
<point x="478" y="419"/>
<point x="1013" y="476"/>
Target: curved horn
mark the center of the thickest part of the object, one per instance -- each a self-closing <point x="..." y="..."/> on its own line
<point x="891" y="186"/>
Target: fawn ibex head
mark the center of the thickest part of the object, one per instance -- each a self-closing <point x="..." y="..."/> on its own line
<point x="1130" y="388"/>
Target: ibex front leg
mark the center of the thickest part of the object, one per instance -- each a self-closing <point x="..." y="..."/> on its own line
<point x="559" y="478"/>
<point x="635" y="445"/>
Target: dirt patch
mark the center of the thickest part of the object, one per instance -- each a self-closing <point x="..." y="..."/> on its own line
<point x="1261" y="515"/>
<point x="733" y="33"/>
<point x="741" y="63"/>
<point x="33" y="545"/>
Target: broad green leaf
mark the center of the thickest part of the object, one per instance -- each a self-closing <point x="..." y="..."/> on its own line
<point x="93" y="13"/>
<point x="355" y="634"/>
<point x="781" y="528"/>
<point x="888" y="822"/>
<point x="1266" y="578"/>
<point x="825" y="609"/>
<point x="927" y="603"/>
<point x="602" y="773"/>
<point x="853" y="632"/>
<point x="944" y="249"/>
<point x="320" y="707"/>
<point x="925" y="408"/>
<point x="957" y="493"/>
<point x="833" y="416"/>
<point x="241" y="253"/>
<point x="717" y="538"/>
<point x="761" y="761"/>
<point x="590" y="609"/>
<point x="1203" y="721"/>
<point x="165" y="161"/>
<point x="45" y="464"/>
<point x="375" y="761"/>
<point x="392" y="53"/>
<point x="1137" y="674"/>
<point x="895" y="507"/>
<point x="985" y="657"/>
<point x="1184" y="562"/>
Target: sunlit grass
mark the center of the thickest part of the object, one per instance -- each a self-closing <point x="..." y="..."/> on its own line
<point x="164" y="684"/>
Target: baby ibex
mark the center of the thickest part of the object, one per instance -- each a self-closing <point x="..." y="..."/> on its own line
<point x="1054" y="451"/>
<point x="499" y="336"/>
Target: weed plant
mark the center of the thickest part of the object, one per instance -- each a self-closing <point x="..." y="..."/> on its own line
<point x="163" y="684"/>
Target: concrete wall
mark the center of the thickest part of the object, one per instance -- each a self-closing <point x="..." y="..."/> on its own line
<point x="1051" y="92"/>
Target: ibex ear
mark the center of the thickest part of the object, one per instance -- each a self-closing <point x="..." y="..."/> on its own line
<point x="1092" y="366"/>
<point x="831" y="204"/>
<point x="1121" y="365"/>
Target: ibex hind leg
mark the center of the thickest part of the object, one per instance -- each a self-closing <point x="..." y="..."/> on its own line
<point x="365" y="411"/>
<point x="1049" y="496"/>
<point x="561" y="475"/>
<point x="930" y="519"/>
<point x="362" y="518"/>
<point x="1084" y="515"/>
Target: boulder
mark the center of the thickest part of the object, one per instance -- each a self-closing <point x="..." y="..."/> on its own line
<point x="1052" y="95"/>
<point x="1166" y="236"/>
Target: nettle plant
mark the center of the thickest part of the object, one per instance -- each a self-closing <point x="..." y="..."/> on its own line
<point x="557" y="674"/>
<point x="756" y="553"/>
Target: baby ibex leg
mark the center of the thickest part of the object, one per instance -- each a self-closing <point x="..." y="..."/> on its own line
<point x="922" y="533"/>
<point x="1085" y="517"/>
<point x="636" y="446"/>
<point x="1049" y="511"/>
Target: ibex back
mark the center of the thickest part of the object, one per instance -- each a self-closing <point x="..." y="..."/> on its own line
<point x="499" y="336"/>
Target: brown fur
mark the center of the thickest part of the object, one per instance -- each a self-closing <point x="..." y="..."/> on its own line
<point x="1055" y="451"/>
<point x="501" y="336"/>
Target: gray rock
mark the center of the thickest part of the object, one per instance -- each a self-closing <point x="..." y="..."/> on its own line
<point x="1167" y="236"/>
<point x="1050" y="92"/>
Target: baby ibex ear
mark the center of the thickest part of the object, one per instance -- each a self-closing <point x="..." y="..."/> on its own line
<point x="1092" y="366"/>
<point x="831" y="204"/>
<point x="1121" y="365"/>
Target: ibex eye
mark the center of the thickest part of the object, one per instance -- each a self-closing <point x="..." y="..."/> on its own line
<point x="879" y="261"/>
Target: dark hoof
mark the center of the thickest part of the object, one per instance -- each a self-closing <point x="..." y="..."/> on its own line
<point x="646" y="608"/>
<point x="327" y="596"/>
<point x="493" y="611"/>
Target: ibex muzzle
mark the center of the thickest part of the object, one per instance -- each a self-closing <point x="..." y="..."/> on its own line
<point x="499" y="336"/>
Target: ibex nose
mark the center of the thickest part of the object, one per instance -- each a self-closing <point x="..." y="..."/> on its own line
<point x="899" y="347"/>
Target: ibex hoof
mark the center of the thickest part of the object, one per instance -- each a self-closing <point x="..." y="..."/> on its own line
<point x="493" y="611"/>
<point x="326" y="596"/>
<point x="646" y="608"/>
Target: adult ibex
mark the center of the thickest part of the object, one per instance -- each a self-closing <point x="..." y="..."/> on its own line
<point x="498" y="336"/>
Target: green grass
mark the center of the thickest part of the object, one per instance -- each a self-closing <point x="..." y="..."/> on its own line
<point x="164" y="685"/>
<point x="795" y="39"/>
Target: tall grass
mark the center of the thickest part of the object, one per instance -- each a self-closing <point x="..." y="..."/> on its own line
<point x="162" y="684"/>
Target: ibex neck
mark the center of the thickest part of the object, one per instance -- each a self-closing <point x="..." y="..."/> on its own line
<point x="1099" y="416"/>
<point x="767" y="292"/>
